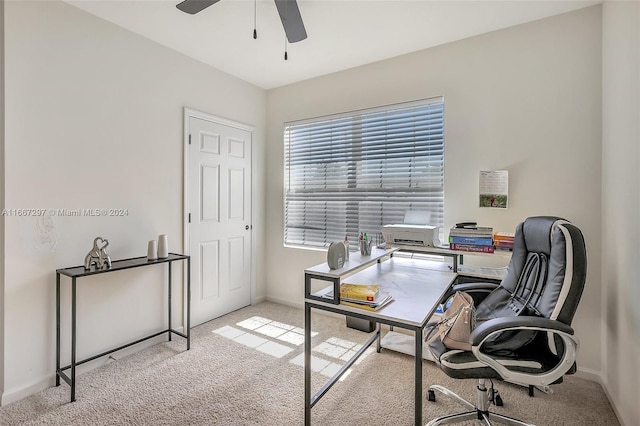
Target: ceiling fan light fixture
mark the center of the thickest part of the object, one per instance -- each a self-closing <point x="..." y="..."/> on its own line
<point x="287" y="10"/>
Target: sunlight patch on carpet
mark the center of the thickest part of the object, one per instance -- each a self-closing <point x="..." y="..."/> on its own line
<point x="253" y="322"/>
<point x="274" y="349"/>
<point x="292" y="337"/>
<point x="258" y="333"/>
<point x="281" y="331"/>
<point x="229" y="332"/>
<point x="341" y="349"/>
<point x="251" y="340"/>
<point x="328" y="349"/>
<point x="268" y="328"/>
<point x="321" y="365"/>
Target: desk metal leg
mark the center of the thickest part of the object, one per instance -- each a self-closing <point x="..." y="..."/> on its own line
<point x="418" y="378"/>
<point x="307" y="364"/>
<point x="73" y="339"/>
<point x="57" y="328"/>
<point x="169" y="329"/>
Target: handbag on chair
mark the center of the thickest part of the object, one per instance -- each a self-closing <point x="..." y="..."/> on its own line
<point x="457" y="323"/>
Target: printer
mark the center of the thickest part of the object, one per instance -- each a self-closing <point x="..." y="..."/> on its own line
<point x="413" y="231"/>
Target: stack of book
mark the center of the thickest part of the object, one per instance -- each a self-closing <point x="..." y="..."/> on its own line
<point x="364" y="296"/>
<point x="476" y="239"/>
<point x="503" y="240"/>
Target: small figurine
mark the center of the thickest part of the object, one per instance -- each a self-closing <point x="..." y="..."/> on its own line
<point x="98" y="255"/>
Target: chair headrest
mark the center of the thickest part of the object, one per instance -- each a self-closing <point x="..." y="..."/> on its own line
<point x="537" y="233"/>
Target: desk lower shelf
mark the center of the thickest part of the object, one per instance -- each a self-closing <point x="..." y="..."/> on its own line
<point x="404" y="343"/>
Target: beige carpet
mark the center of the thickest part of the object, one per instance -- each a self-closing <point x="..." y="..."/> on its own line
<point x="244" y="369"/>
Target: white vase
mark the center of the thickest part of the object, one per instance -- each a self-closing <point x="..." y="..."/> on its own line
<point x="163" y="246"/>
<point x="152" y="250"/>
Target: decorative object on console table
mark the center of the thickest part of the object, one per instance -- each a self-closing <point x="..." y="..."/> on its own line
<point x="163" y="246"/>
<point x="152" y="250"/>
<point x="98" y="255"/>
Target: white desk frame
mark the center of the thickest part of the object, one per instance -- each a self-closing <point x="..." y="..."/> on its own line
<point x="416" y="290"/>
<point x="457" y="257"/>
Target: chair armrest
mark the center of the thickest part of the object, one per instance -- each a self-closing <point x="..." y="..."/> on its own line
<point x="552" y="327"/>
<point x="484" y="329"/>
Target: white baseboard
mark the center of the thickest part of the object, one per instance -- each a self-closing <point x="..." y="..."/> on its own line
<point x="589" y="374"/>
<point x="285" y="302"/>
<point x="605" y="386"/>
<point x="25" y="391"/>
<point x="48" y="381"/>
<point x="259" y="300"/>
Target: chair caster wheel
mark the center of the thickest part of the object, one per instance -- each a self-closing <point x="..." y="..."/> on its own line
<point x="431" y="396"/>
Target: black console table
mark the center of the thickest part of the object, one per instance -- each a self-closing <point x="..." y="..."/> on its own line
<point x="78" y="271"/>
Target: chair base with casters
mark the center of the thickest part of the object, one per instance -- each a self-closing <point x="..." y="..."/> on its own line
<point x="479" y="411"/>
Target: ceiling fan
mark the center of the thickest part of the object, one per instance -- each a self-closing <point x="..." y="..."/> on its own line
<point x="287" y="9"/>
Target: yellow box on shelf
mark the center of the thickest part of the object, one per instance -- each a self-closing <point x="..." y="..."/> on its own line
<point x="365" y="292"/>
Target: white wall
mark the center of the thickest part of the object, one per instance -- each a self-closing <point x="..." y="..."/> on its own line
<point x="88" y="102"/>
<point x="621" y="206"/>
<point x="2" y="246"/>
<point x="526" y="99"/>
<point x="94" y="120"/>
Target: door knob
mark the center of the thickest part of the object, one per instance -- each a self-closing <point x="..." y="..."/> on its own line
<point x="246" y="227"/>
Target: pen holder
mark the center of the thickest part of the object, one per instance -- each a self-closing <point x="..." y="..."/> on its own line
<point x="365" y="247"/>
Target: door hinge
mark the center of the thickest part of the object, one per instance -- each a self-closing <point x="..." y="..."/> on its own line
<point x="189" y="217"/>
<point x="189" y="139"/>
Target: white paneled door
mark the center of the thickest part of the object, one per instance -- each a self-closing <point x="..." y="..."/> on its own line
<point x="219" y="215"/>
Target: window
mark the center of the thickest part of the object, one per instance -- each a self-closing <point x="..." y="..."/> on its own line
<point x="354" y="172"/>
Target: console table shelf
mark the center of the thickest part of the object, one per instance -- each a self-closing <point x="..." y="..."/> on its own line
<point x="76" y="272"/>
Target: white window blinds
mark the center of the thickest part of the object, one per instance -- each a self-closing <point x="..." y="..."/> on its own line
<point x="354" y="172"/>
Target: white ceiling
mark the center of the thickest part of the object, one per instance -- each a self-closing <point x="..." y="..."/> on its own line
<point x="342" y="34"/>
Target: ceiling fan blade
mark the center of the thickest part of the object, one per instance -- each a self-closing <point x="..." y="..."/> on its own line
<point x="291" y="20"/>
<point x="194" y="6"/>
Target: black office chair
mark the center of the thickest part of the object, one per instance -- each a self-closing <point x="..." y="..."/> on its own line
<point x="524" y="333"/>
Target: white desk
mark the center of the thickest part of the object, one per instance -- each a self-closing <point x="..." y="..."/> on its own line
<point x="457" y="257"/>
<point x="416" y="290"/>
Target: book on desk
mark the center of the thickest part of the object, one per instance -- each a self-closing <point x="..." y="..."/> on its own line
<point x="382" y="300"/>
<point x="359" y="292"/>
<point x="363" y="296"/>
